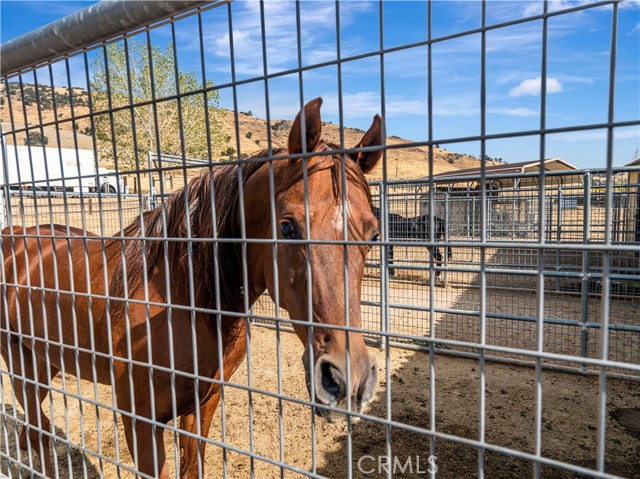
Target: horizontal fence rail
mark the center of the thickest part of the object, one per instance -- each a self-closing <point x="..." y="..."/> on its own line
<point x="170" y="256"/>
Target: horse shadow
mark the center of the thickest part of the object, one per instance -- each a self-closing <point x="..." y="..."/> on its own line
<point x="510" y="393"/>
<point x="364" y="453"/>
<point x="71" y="461"/>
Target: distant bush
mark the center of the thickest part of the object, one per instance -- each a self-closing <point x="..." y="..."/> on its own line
<point x="498" y="160"/>
<point x="249" y="134"/>
<point x="281" y="125"/>
<point x="61" y="99"/>
<point x="29" y="96"/>
<point x="80" y="99"/>
<point x="36" y="139"/>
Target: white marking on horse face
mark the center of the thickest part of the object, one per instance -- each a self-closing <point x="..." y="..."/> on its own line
<point x="338" y="218"/>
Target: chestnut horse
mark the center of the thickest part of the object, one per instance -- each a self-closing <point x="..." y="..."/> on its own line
<point x="138" y="322"/>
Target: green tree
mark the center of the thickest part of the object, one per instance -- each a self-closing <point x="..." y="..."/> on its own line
<point x="194" y="120"/>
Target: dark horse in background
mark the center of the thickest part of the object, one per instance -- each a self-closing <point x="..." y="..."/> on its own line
<point x="417" y="227"/>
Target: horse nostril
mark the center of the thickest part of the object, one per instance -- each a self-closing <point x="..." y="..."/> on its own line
<point x="331" y="380"/>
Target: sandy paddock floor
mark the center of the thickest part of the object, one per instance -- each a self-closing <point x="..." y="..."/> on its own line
<point x="569" y="426"/>
<point x="570" y="402"/>
<point x="461" y="324"/>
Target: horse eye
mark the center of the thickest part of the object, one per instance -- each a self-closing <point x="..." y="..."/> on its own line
<point x="288" y="229"/>
<point x="375" y="237"/>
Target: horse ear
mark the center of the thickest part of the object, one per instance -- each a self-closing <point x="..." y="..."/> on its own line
<point x="366" y="160"/>
<point x="313" y="128"/>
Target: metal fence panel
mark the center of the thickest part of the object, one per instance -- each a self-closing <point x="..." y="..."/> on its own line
<point x="126" y="315"/>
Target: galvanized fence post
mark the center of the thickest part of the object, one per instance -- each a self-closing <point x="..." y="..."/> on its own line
<point x="559" y="235"/>
<point x="384" y="266"/>
<point x="549" y="219"/>
<point x="585" y="276"/>
<point x="152" y="197"/>
<point x="447" y="219"/>
<point x="5" y="180"/>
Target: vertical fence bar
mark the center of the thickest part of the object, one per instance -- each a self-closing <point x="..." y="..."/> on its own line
<point x="447" y="238"/>
<point x="585" y="285"/>
<point x="152" y="195"/>
<point x="484" y="219"/>
<point x="559" y="214"/>
<point x="432" y="313"/>
<point x="606" y="260"/>
<point x="541" y="240"/>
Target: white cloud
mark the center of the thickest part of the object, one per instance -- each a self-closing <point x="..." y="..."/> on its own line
<point x="535" y="8"/>
<point x="355" y="106"/>
<point x="575" y="79"/>
<point x="454" y="104"/>
<point x="630" y="4"/>
<point x="523" y="38"/>
<point x="367" y="103"/>
<point x="598" y="135"/>
<point x="316" y="26"/>
<point x="532" y="87"/>
<point x="522" y="112"/>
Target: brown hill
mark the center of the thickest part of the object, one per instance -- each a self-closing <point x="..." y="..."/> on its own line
<point x="402" y="163"/>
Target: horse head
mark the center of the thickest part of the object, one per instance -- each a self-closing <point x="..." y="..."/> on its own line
<point x="321" y="283"/>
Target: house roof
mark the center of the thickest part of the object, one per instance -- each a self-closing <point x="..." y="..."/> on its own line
<point x="520" y="167"/>
<point x="635" y="162"/>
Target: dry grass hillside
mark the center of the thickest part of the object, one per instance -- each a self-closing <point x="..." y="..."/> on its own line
<point x="402" y="163"/>
<point x="20" y="108"/>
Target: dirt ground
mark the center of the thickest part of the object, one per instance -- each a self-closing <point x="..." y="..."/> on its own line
<point x="456" y="318"/>
<point x="570" y="402"/>
<point x="569" y="427"/>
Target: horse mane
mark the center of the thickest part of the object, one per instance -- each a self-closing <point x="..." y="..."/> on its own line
<point x="223" y="182"/>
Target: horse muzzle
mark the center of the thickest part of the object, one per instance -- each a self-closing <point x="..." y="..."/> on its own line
<point x="330" y="386"/>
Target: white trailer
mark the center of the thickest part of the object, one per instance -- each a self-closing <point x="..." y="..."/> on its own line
<point x="56" y="169"/>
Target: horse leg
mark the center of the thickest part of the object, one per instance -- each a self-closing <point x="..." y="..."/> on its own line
<point x="437" y="255"/>
<point x="30" y="399"/>
<point x="190" y="447"/>
<point x="390" y="261"/>
<point x="42" y="393"/>
<point x="141" y="449"/>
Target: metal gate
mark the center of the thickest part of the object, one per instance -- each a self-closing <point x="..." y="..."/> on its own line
<point x="448" y="332"/>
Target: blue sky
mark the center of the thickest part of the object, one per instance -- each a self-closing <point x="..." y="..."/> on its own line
<point x="577" y="72"/>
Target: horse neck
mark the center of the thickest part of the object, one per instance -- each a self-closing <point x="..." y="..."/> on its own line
<point x="236" y="293"/>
